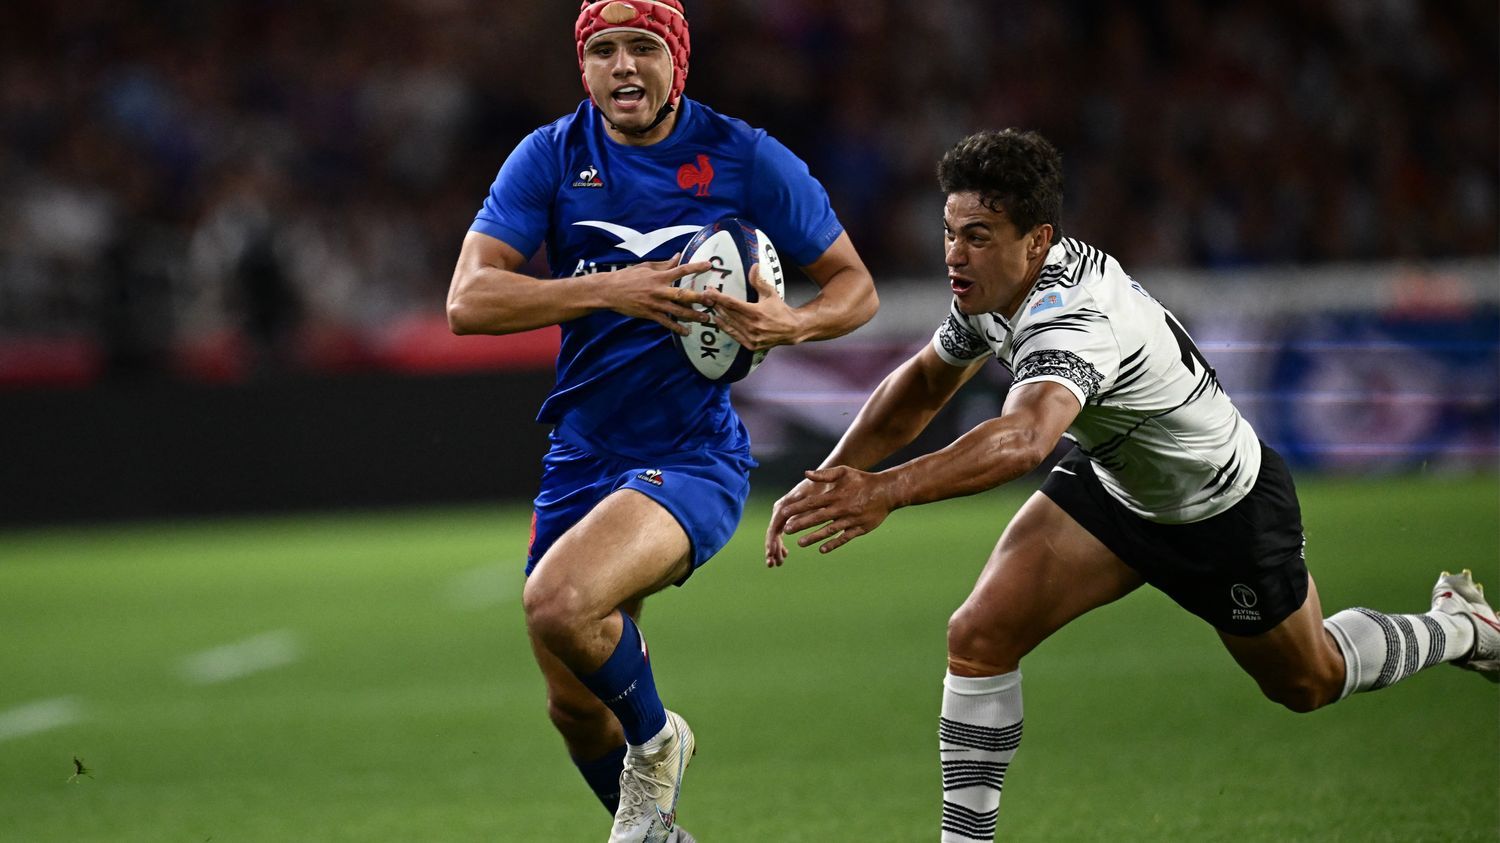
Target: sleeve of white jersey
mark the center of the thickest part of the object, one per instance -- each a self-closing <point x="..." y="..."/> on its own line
<point x="957" y="341"/>
<point x="1063" y="337"/>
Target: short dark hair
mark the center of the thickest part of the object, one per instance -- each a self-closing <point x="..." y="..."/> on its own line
<point x="1019" y="173"/>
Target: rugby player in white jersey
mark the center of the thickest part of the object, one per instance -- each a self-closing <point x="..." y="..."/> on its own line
<point x="1169" y="485"/>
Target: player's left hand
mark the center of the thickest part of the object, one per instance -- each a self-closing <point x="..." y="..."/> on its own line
<point x="775" y="546"/>
<point x="846" y="502"/>
<point x="765" y="324"/>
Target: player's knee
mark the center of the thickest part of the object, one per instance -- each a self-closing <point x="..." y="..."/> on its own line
<point x="554" y="613"/>
<point x="1305" y="687"/>
<point x="982" y="641"/>
<point x="1300" y="694"/>
<point x="1297" y="699"/>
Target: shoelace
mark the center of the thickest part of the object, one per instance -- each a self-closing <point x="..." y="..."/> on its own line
<point x="639" y="790"/>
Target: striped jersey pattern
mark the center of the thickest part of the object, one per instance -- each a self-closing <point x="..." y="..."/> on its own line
<point x="1164" y="437"/>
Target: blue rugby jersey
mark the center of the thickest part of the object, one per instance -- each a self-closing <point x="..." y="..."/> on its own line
<point x="622" y="386"/>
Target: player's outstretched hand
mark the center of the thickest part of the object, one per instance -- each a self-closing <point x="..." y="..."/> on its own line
<point x="764" y="324"/>
<point x="646" y="291"/>
<point x="775" y="547"/>
<point x="842" y="503"/>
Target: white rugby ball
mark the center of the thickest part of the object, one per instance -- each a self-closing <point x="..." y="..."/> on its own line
<point x="732" y="245"/>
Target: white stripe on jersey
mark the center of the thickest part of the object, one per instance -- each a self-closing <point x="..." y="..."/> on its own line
<point x="1164" y="438"/>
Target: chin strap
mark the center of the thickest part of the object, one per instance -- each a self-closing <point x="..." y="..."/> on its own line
<point x="660" y="116"/>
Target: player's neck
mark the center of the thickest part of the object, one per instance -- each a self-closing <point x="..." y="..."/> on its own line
<point x="1033" y="271"/>
<point x="657" y="134"/>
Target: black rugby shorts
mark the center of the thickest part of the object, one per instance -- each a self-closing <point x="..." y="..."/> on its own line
<point x="1242" y="570"/>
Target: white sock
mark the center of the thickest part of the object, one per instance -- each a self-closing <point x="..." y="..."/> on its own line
<point x="978" y="734"/>
<point x="652" y="745"/>
<point x="1381" y="650"/>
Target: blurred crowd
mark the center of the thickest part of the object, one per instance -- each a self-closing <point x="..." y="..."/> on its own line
<point x="281" y="175"/>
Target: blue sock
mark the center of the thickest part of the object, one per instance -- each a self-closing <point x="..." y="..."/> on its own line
<point x="625" y="684"/>
<point x="603" y="776"/>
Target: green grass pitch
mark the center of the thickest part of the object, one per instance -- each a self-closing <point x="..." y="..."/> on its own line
<point x="365" y="677"/>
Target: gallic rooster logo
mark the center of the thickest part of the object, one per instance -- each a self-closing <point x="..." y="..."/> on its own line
<point x="699" y="175"/>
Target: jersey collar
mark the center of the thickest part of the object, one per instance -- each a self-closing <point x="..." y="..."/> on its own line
<point x="1056" y="256"/>
<point x="684" y="114"/>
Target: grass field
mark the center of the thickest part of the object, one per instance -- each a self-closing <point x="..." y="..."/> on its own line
<point x="366" y="678"/>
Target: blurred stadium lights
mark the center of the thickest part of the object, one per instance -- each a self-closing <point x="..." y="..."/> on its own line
<point x="243" y="193"/>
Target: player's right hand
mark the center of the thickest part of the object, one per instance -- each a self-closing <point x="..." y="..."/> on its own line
<point x="758" y="325"/>
<point x="646" y="291"/>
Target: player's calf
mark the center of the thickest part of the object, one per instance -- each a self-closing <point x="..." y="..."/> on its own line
<point x="1381" y="650"/>
<point x="587" y="726"/>
<point x="978" y="734"/>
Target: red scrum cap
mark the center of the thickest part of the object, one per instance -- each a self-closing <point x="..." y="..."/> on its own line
<point x="662" y="19"/>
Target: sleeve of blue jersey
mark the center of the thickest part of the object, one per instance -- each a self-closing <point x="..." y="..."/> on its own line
<point x="519" y="203"/>
<point x="790" y="205"/>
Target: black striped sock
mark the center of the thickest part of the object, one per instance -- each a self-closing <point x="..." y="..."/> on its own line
<point x="1381" y="650"/>
<point x="978" y="733"/>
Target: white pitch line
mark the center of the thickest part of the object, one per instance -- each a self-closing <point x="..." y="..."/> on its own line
<point x="483" y="587"/>
<point x="263" y="652"/>
<point x="39" y="716"/>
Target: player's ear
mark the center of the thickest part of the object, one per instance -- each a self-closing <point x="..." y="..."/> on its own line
<point x="1041" y="240"/>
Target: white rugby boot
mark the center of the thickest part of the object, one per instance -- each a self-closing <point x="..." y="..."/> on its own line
<point x="649" y="788"/>
<point x="1458" y="594"/>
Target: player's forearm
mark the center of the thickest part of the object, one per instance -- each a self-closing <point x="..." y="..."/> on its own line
<point x="865" y="447"/>
<point x="847" y="301"/>
<point x="496" y="301"/>
<point x="894" y="415"/>
<point x="991" y="454"/>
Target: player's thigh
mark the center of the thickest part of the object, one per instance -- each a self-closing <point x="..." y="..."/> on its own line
<point x="626" y="547"/>
<point x="1045" y="571"/>
<point x="1295" y="662"/>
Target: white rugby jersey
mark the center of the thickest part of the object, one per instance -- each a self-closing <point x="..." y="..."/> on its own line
<point x="1163" y="437"/>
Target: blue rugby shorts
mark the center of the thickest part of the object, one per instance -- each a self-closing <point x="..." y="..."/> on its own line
<point x="704" y="490"/>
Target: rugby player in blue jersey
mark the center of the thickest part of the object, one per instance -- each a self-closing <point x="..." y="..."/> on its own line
<point x="648" y="468"/>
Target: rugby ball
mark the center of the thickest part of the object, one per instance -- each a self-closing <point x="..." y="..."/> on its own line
<point x="732" y="245"/>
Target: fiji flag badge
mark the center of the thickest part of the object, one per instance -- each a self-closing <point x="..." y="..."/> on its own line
<point x="1046" y="301"/>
